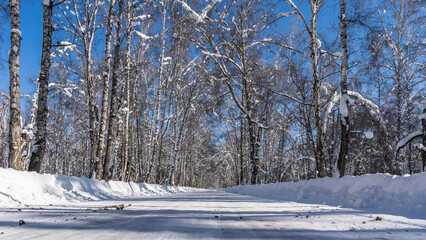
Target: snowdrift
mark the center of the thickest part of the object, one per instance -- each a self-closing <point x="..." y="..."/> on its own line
<point x="21" y="188"/>
<point x="379" y="191"/>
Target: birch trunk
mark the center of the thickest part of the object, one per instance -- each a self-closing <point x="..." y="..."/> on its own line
<point x="113" y="105"/>
<point x="14" y="89"/>
<point x="250" y="112"/>
<point x="133" y="146"/>
<point x="344" y="118"/>
<point x="159" y="110"/>
<point x="424" y="139"/>
<point x="154" y="131"/>
<point x="178" y="141"/>
<point x="314" y="46"/>
<point x="43" y="91"/>
<point x="92" y="112"/>
<point x="242" y="131"/>
<point x="87" y="37"/>
<point x="254" y="159"/>
<point x="106" y="78"/>
<point x="125" y="158"/>
<point x="163" y="132"/>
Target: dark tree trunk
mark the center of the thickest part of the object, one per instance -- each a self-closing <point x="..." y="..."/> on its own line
<point x="43" y="91"/>
<point x="254" y="150"/>
<point x="424" y="140"/>
<point x="344" y="119"/>
<point x="92" y="113"/>
<point x="242" y="152"/>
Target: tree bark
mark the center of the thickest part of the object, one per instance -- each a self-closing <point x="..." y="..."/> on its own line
<point x="242" y="152"/>
<point x="43" y="91"/>
<point x="156" y="130"/>
<point x="254" y="158"/>
<point x="314" y="45"/>
<point x="92" y="112"/>
<point x="178" y="140"/>
<point x="113" y="104"/>
<point x="125" y="159"/>
<point x="320" y="156"/>
<point x="87" y="38"/>
<point x="344" y="119"/>
<point x="162" y="97"/>
<point x="424" y="140"/>
<point x="15" y="141"/>
<point x="106" y="79"/>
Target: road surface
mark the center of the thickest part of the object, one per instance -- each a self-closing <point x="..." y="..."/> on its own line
<point x="203" y="215"/>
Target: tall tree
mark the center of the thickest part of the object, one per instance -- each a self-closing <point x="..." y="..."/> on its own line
<point x="423" y="148"/>
<point x="343" y="110"/>
<point x="106" y="79"/>
<point x="232" y="44"/>
<point x="314" y="46"/>
<point x="398" y="29"/>
<point x="82" y="16"/>
<point x="126" y="93"/>
<point x="156" y="136"/>
<point x="114" y="95"/>
<point x="43" y="83"/>
<point x="14" y="89"/>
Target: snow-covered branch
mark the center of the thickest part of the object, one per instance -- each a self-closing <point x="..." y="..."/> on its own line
<point x="372" y="109"/>
<point x="406" y="140"/>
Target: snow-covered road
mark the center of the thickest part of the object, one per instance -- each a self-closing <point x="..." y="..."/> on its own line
<point x="204" y="215"/>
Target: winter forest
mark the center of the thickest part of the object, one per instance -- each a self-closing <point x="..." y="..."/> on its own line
<point x="218" y="93"/>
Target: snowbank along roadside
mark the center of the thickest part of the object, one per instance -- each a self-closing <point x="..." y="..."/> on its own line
<point x="380" y="191"/>
<point x="30" y="188"/>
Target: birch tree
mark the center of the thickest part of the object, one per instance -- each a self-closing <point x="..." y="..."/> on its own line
<point x="82" y="17"/>
<point x="4" y="125"/>
<point x="232" y="39"/>
<point x="159" y="110"/>
<point x="423" y="148"/>
<point x="419" y="134"/>
<point x="106" y="73"/>
<point x="126" y="93"/>
<point x="343" y="109"/>
<point x="314" y="46"/>
<point x="112" y="118"/>
<point x="402" y="49"/>
<point x="14" y="89"/>
<point x="39" y="146"/>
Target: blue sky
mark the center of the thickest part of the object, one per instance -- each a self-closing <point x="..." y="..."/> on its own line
<point x="31" y="29"/>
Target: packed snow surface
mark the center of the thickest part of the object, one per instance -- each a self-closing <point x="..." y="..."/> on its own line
<point x="41" y="206"/>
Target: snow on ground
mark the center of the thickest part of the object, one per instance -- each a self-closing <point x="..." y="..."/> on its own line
<point x="29" y="188"/>
<point x="60" y="207"/>
<point x="379" y="191"/>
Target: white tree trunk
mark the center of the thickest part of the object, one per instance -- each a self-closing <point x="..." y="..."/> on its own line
<point x="125" y="159"/>
<point x="113" y="105"/>
<point x="15" y="141"/>
<point x="106" y="79"/>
